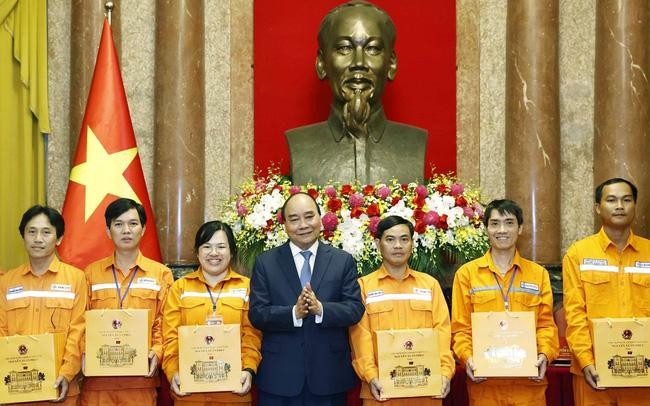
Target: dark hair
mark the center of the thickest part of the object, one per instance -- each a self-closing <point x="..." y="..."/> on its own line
<point x="598" y="194"/>
<point x="392" y="221"/>
<point x="504" y="206"/>
<point x="56" y="219"/>
<point x="291" y="197"/>
<point x="328" y="21"/>
<point x="207" y="230"/>
<point x="121" y="206"/>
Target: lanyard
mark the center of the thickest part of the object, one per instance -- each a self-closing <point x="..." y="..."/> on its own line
<point x="117" y="285"/>
<point x="214" y="301"/>
<point x="505" y="295"/>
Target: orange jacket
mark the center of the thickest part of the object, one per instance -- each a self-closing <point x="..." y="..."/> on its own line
<point x="601" y="282"/>
<point x="476" y="290"/>
<point x="414" y="302"/>
<point x="148" y="290"/>
<point x="54" y="302"/>
<point x="189" y="304"/>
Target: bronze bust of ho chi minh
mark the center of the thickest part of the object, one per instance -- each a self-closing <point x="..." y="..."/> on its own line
<point x="356" y="55"/>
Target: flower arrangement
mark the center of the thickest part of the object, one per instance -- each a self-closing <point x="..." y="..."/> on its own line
<point x="447" y="217"/>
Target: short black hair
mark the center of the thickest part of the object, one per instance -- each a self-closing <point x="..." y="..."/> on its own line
<point x="504" y="206"/>
<point x="392" y="221"/>
<point x="598" y="194"/>
<point x="291" y="197"/>
<point x="56" y="219"/>
<point x="207" y="230"/>
<point x="121" y="206"/>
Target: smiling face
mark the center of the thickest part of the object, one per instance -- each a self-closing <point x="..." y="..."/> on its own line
<point x="126" y="231"/>
<point x="356" y="54"/>
<point x="302" y="221"/>
<point x="617" y="208"/>
<point x="395" y="246"/>
<point x="39" y="237"/>
<point x="214" y="255"/>
<point x="503" y="230"/>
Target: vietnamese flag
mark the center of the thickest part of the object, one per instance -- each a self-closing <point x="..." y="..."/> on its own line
<point x="106" y="166"/>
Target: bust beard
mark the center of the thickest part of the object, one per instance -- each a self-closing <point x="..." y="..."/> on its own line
<point x="356" y="110"/>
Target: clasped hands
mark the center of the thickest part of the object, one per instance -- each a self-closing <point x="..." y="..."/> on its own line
<point x="307" y="303"/>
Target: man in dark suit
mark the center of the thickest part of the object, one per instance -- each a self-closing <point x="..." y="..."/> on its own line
<point x="304" y="316"/>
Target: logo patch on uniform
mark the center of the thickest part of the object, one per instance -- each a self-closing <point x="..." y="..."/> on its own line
<point x="594" y="261"/>
<point x="59" y="287"/>
<point x="420" y="291"/>
<point x="642" y="264"/>
<point x="147" y="281"/>
<point x="16" y="289"/>
<point x="375" y="293"/>
<point x="529" y="286"/>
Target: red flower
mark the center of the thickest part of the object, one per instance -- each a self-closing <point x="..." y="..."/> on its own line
<point x="334" y="205"/>
<point x="418" y="201"/>
<point x="373" y="210"/>
<point x="368" y="190"/>
<point x="313" y="192"/>
<point x="461" y="201"/>
<point x="395" y="200"/>
<point x="327" y="235"/>
<point x="441" y="188"/>
<point x="356" y="212"/>
<point x="278" y="217"/>
<point x="346" y="190"/>
<point x="442" y="223"/>
<point x="277" y="187"/>
<point x="418" y="214"/>
<point x="405" y="186"/>
<point x="420" y="227"/>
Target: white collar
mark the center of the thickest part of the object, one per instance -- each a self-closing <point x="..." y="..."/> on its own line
<point x="295" y="250"/>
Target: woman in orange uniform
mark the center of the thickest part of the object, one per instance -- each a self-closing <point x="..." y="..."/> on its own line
<point x="213" y="293"/>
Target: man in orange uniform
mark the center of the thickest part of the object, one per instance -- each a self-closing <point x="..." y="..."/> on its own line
<point x="397" y="297"/>
<point x="502" y="280"/>
<point x="46" y="296"/>
<point x="127" y="280"/>
<point x="605" y="275"/>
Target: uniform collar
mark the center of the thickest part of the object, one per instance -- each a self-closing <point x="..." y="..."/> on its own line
<point x="486" y="261"/>
<point x="605" y="242"/>
<point x="382" y="273"/>
<point x="376" y="124"/>
<point x="54" y="266"/>
<point x="198" y="274"/>
<point x="139" y="262"/>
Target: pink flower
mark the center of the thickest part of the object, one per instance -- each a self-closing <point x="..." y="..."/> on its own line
<point x="457" y="189"/>
<point x="422" y="191"/>
<point x="467" y="211"/>
<point x="372" y="225"/>
<point x="241" y="210"/>
<point x="278" y="217"/>
<point x="356" y="200"/>
<point x="478" y="209"/>
<point x="330" y="221"/>
<point x="330" y="191"/>
<point x="383" y="192"/>
<point x="431" y="218"/>
<point x="294" y="189"/>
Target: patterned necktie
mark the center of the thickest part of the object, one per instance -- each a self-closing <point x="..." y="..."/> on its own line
<point x="305" y="272"/>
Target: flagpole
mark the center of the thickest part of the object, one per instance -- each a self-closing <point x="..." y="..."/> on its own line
<point x="109" y="10"/>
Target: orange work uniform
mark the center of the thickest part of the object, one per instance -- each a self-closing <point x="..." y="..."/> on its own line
<point x="416" y="301"/>
<point x="148" y="290"/>
<point x="189" y="303"/>
<point x="54" y="302"/>
<point x="476" y="290"/>
<point x="601" y="282"/>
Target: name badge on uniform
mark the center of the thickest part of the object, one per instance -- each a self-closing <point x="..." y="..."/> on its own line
<point x="594" y="261"/>
<point x="529" y="286"/>
<point x="147" y="281"/>
<point x="214" y="320"/>
<point x="375" y="293"/>
<point x="59" y="287"/>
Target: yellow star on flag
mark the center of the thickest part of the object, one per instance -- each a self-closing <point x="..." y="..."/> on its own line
<point x="103" y="173"/>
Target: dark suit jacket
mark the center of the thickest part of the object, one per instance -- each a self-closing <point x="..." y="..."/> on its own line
<point x="316" y="353"/>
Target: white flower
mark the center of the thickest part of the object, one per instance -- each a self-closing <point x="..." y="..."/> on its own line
<point x="401" y="210"/>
